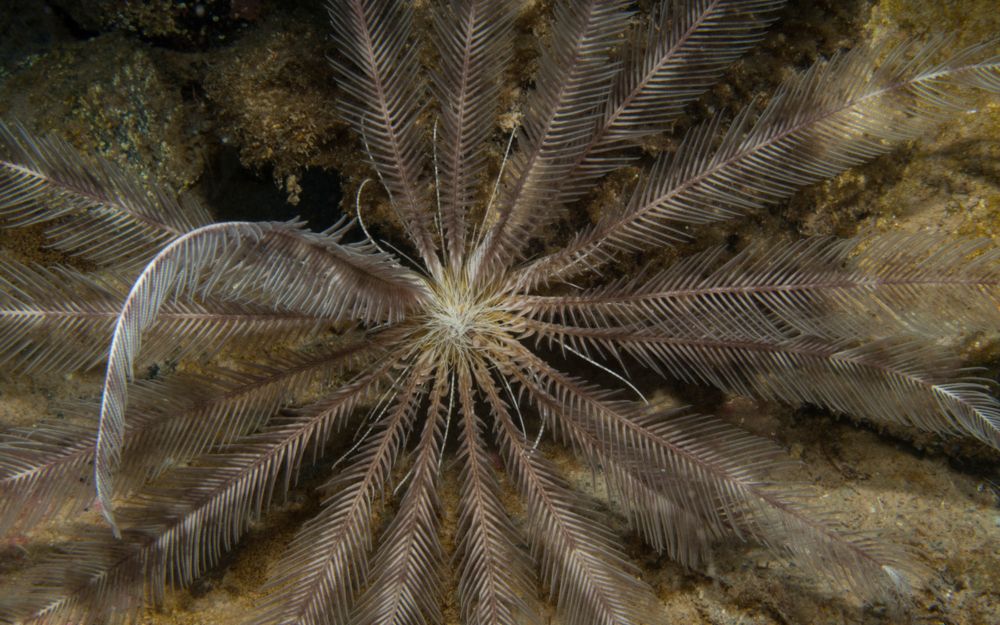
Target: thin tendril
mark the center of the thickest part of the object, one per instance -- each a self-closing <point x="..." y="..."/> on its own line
<point x="437" y="182"/>
<point x="481" y="228"/>
<point x="607" y="370"/>
<point x="447" y="420"/>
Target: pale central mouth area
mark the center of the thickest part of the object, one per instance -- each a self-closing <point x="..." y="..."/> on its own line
<point x="455" y="318"/>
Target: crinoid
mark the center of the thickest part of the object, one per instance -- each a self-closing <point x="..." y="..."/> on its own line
<point x="468" y="341"/>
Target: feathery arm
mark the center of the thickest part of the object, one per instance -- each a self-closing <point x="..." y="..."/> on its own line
<point x="684" y="50"/>
<point x="575" y="78"/>
<point x="381" y="80"/>
<point x="819" y="286"/>
<point x="168" y="422"/>
<point x="590" y="577"/>
<point x="59" y="319"/>
<point x="708" y="470"/>
<point x="178" y="526"/>
<point x="317" y="578"/>
<point x="495" y="579"/>
<point x="473" y="37"/>
<point x="43" y="473"/>
<point x="94" y="210"/>
<point x="830" y="118"/>
<point x="307" y="270"/>
<point x="892" y="380"/>
<point x="405" y="575"/>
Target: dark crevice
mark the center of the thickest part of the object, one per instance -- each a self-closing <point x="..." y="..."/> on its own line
<point x="75" y="29"/>
<point x="236" y="193"/>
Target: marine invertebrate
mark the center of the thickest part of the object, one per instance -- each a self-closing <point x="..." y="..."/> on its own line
<point x="470" y="334"/>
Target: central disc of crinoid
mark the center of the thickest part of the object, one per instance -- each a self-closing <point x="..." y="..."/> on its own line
<point x="455" y="315"/>
<point x="459" y="317"/>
